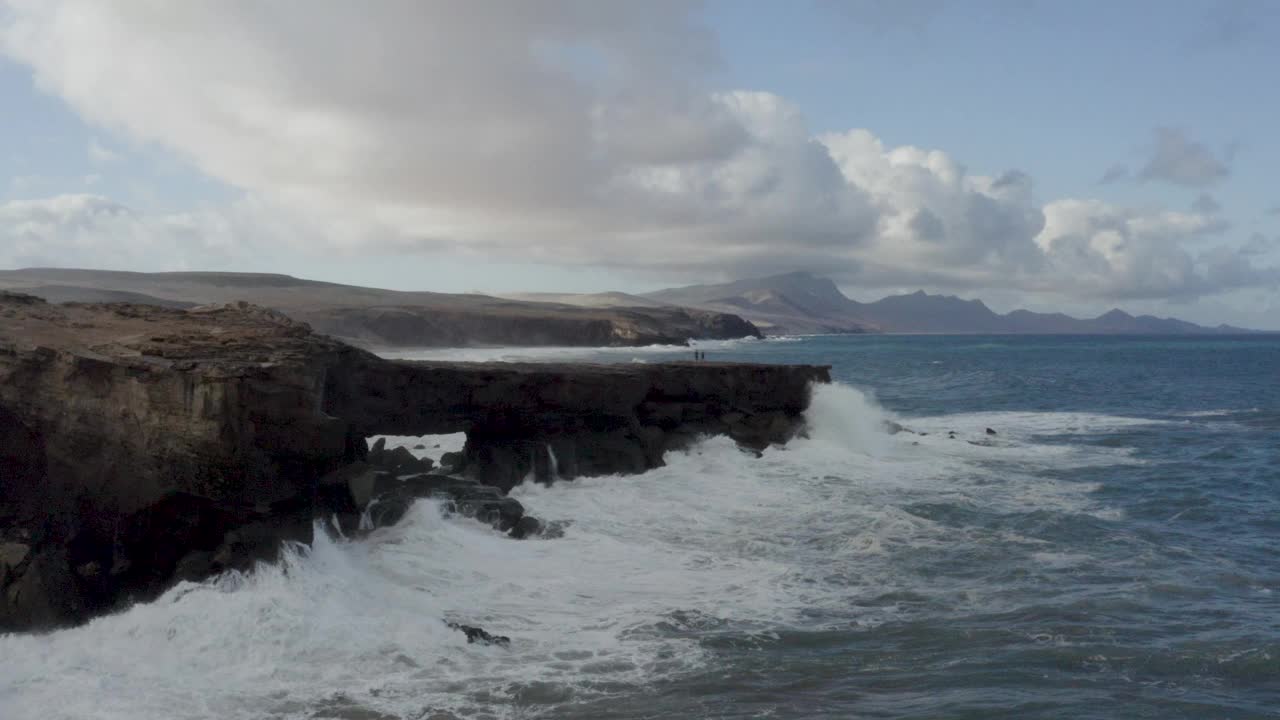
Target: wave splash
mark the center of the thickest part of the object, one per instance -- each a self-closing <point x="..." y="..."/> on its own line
<point x="717" y="543"/>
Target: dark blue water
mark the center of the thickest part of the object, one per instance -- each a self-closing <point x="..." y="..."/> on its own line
<point x="1166" y="605"/>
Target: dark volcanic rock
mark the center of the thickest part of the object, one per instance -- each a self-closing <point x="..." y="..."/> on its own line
<point x="401" y="460"/>
<point x="451" y="461"/>
<point x="527" y="526"/>
<point x="477" y="635"/>
<point x="141" y="444"/>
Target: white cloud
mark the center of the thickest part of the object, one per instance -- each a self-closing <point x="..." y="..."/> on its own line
<point x="565" y="131"/>
<point x="1097" y="249"/>
<point x="85" y="230"/>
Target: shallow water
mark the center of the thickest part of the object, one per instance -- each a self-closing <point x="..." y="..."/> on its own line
<point x="1110" y="552"/>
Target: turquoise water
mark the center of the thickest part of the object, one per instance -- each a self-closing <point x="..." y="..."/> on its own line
<point x="1112" y="551"/>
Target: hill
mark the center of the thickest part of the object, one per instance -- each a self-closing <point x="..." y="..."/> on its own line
<point x="389" y="318"/>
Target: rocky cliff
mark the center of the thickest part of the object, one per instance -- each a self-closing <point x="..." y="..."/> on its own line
<point x="141" y="444"/>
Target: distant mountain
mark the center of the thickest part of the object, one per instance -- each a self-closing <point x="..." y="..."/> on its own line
<point x="389" y="318"/>
<point x="795" y="303"/>
<point x="790" y="304"/>
<point x="803" y="303"/>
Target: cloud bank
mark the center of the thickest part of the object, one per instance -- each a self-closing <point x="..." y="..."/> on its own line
<point x="563" y="131"/>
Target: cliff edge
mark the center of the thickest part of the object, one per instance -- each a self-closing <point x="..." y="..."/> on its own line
<point x="140" y="445"/>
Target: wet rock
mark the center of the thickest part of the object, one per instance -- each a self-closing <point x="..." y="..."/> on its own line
<point x="526" y="527"/>
<point x="194" y="566"/>
<point x="502" y="513"/>
<point x="12" y="555"/>
<point x="428" y="484"/>
<point x="419" y="446"/>
<point x="555" y="529"/>
<point x="388" y="509"/>
<point x="451" y="461"/>
<point x="990" y="431"/>
<point x="478" y="635"/>
<point x="348" y="489"/>
<point x="260" y="542"/>
<point x="44" y="596"/>
<point x="401" y="460"/>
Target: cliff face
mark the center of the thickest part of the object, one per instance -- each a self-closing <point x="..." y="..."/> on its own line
<point x="136" y="438"/>
<point x="597" y="419"/>
<point x="133" y="445"/>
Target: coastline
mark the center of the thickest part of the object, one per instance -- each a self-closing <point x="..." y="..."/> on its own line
<point x="148" y="444"/>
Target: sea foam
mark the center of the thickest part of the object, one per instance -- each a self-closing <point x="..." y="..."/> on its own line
<point x="650" y="568"/>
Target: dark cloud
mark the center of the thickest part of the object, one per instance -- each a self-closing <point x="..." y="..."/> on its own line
<point x="1176" y="158"/>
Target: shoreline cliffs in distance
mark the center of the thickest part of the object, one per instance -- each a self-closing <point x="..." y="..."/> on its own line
<point x="796" y="303"/>
<point x="378" y="318"/>
<point x="801" y="303"/>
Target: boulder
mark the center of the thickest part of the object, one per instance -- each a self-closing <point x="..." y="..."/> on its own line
<point x="526" y="527"/>
<point x="452" y="461"/>
<point x="502" y="513"/>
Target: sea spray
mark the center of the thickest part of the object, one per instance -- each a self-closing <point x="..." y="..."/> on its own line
<point x="847" y="417"/>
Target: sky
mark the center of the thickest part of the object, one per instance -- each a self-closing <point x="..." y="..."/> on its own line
<point x="1056" y="156"/>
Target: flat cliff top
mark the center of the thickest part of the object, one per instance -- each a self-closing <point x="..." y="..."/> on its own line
<point x="373" y="317"/>
<point x="238" y="334"/>
<point x="229" y="334"/>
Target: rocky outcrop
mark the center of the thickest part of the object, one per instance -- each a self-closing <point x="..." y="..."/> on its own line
<point x="521" y="419"/>
<point x="140" y="445"/>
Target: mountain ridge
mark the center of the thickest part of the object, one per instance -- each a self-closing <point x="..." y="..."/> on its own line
<point x="830" y="311"/>
<point x="793" y="303"/>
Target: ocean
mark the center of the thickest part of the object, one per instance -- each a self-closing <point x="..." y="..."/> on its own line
<point x="1110" y="550"/>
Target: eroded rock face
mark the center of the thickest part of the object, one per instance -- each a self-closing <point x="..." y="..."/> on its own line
<point x="141" y="444"/>
<point x="133" y="435"/>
